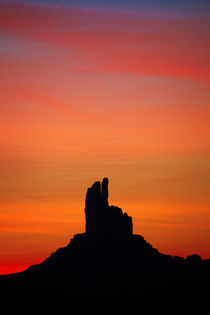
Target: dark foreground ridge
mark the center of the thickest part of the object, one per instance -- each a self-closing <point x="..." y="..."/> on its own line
<point x="108" y="259"/>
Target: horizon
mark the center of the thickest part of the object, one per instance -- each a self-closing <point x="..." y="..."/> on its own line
<point x="105" y="89"/>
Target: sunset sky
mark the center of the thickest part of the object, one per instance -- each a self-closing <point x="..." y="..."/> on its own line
<point x="93" y="89"/>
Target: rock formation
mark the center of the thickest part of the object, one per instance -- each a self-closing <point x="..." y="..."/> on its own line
<point x="108" y="259"/>
<point x="102" y="220"/>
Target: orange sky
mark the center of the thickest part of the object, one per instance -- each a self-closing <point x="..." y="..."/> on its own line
<point x="89" y="93"/>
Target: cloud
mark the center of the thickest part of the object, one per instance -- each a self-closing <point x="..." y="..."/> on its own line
<point x="193" y="4"/>
<point x="115" y="41"/>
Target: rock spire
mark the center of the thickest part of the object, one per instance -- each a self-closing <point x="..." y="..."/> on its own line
<point x="102" y="220"/>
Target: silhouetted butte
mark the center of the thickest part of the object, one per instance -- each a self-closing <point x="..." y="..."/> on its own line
<point x="108" y="259"/>
<point x="102" y="220"/>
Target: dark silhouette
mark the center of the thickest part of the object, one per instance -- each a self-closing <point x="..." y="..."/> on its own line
<point x="108" y="259"/>
<point x="104" y="221"/>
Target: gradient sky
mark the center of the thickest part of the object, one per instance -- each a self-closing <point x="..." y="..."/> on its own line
<point x="103" y="88"/>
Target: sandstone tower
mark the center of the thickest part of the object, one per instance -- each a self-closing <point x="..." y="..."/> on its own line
<point x="102" y="220"/>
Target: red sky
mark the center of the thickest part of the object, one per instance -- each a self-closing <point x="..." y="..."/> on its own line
<point x="94" y="92"/>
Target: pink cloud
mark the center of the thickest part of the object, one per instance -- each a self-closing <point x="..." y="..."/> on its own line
<point x="120" y="42"/>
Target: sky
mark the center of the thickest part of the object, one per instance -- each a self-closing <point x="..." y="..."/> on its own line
<point x="93" y="89"/>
